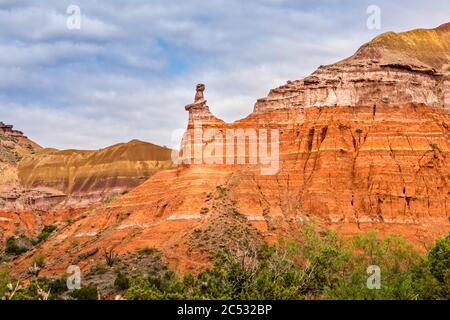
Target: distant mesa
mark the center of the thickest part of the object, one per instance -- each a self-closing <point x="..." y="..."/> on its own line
<point x="35" y="178"/>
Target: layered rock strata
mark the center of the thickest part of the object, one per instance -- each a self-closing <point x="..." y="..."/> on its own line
<point x="360" y="144"/>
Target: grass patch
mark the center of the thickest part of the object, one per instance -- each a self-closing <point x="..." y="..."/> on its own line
<point x="110" y="198"/>
<point x="434" y="146"/>
<point x="39" y="261"/>
<point x="45" y="233"/>
<point x="146" y="251"/>
<point x="223" y="191"/>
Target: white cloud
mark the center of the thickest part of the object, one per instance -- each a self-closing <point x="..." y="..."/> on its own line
<point x="45" y="23"/>
<point x="30" y="54"/>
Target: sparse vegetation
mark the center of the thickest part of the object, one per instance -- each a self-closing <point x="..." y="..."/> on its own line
<point x="45" y="233"/>
<point x="68" y="220"/>
<point x="222" y="191"/>
<point x="39" y="261"/>
<point x="74" y="244"/>
<point x="110" y="257"/>
<point x="235" y="212"/>
<point x="5" y="279"/>
<point x="317" y="265"/>
<point x="121" y="282"/>
<point x="98" y="268"/>
<point x="85" y="293"/>
<point x="147" y="251"/>
<point x="431" y="278"/>
<point x="358" y="131"/>
<point x="434" y="146"/>
<point x="110" y="198"/>
<point x="16" y="245"/>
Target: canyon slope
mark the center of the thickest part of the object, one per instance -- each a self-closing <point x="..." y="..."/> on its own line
<point x="362" y="144"/>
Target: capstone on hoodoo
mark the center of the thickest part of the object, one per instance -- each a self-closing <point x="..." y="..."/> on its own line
<point x="199" y="109"/>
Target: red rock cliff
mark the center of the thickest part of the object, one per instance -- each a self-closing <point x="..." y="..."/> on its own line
<point x="363" y="143"/>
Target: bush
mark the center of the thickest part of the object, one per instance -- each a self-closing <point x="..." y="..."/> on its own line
<point x="147" y="251"/>
<point x="14" y="245"/>
<point x="439" y="260"/>
<point x="392" y="255"/>
<point x="222" y="190"/>
<point x="434" y="146"/>
<point x="431" y="278"/>
<point x="98" y="268"/>
<point x="142" y="289"/>
<point x="122" y="282"/>
<point x="85" y="293"/>
<point x="45" y="233"/>
<point x="58" y="286"/>
<point x="39" y="261"/>
<point x="317" y="265"/>
<point x="4" y="280"/>
<point x="110" y="198"/>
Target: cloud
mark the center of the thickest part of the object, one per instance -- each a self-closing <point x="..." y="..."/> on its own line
<point x="33" y="23"/>
<point x="26" y="54"/>
<point x="133" y="65"/>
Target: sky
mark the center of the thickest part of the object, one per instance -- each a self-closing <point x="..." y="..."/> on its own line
<point x="130" y="68"/>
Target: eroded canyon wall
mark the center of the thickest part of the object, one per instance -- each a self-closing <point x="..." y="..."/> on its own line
<point x="363" y="143"/>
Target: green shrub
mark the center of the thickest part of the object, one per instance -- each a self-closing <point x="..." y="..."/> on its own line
<point x="13" y="246"/>
<point x="28" y="293"/>
<point x="98" y="268"/>
<point x="235" y="212"/>
<point x="39" y="261"/>
<point x="316" y="265"/>
<point x="147" y="251"/>
<point x="392" y="255"/>
<point x="4" y="279"/>
<point x="223" y="191"/>
<point x="74" y="244"/>
<point x="434" y="146"/>
<point x="45" y="233"/>
<point x="431" y="278"/>
<point x="121" y="282"/>
<point x="85" y="293"/>
<point x="142" y="289"/>
<point x="110" y="198"/>
<point x="58" y="286"/>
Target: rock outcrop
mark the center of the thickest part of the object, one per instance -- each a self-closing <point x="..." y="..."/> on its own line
<point x="14" y="146"/>
<point x="360" y="144"/>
